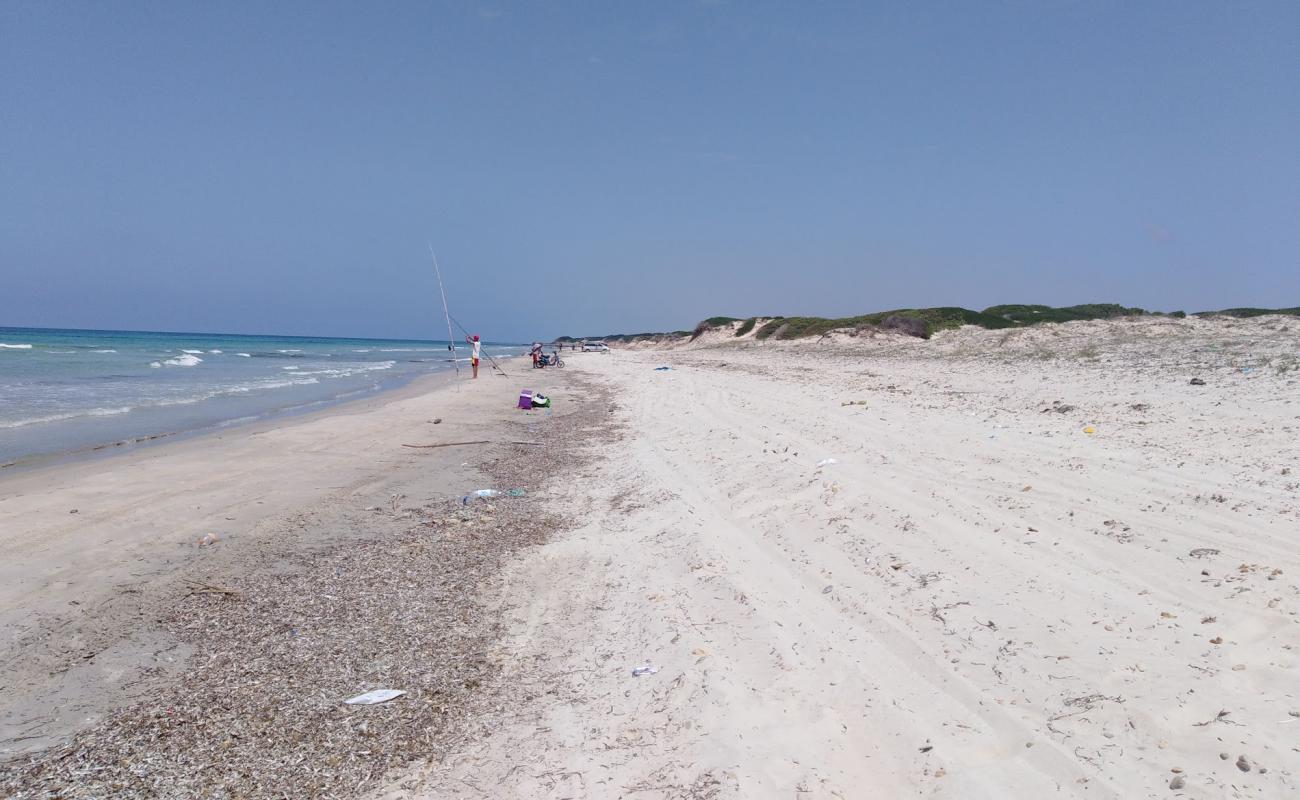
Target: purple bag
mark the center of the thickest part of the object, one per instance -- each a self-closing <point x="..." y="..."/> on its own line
<point x="525" y="399"/>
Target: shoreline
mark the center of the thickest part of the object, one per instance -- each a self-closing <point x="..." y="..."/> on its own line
<point x="92" y="543"/>
<point x="110" y="449"/>
<point x="130" y="444"/>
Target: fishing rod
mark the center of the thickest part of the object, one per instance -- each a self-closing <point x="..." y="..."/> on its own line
<point x="451" y="338"/>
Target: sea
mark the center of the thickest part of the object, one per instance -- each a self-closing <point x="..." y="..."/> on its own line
<point x="64" y="392"/>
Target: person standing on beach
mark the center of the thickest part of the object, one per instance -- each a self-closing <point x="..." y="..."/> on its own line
<point x="474" y="355"/>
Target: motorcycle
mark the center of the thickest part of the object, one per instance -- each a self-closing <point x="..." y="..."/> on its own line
<point x="552" y="360"/>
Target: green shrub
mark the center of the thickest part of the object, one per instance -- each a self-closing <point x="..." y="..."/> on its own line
<point x="1250" y="312"/>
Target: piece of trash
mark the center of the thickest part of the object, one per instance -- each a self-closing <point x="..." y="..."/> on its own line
<point x="853" y="403"/>
<point x="486" y="493"/>
<point x="438" y="421"/>
<point x="517" y="492"/>
<point x="827" y="590"/>
<point x="209" y="539"/>
<point x="73" y="511"/>
<point x="1089" y="430"/>
<point x="1202" y="552"/>
<point x="645" y="669"/>
<point x="1197" y="382"/>
<point x="662" y="369"/>
<point x="825" y="462"/>
<point x="373" y="697"/>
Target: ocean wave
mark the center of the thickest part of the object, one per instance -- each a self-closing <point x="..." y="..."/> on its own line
<point x="288" y="351"/>
<point x="227" y="391"/>
<point x="244" y="355"/>
<point x="291" y="367"/>
<point x="240" y="389"/>
<point x="103" y="351"/>
<point x="348" y="371"/>
<point x="4" y="346"/>
<point x="282" y="384"/>
<point x="367" y="350"/>
<point x="93" y="412"/>
<point x="215" y="352"/>
<point x="193" y="352"/>
<point x="186" y="360"/>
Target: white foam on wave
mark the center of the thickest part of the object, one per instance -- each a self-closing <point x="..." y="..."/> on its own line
<point x="193" y="352"/>
<point x="186" y="360"/>
<point x="282" y="384"/>
<point x="93" y="412"/>
<point x="367" y="350"/>
<point x="291" y="366"/>
<point x="288" y="351"/>
<point x="4" y="346"/>
<point x="215" y="352"/>
<point x="244" y="355"/>
<point x="346" y="371"/>
<point x="103" y="351"/>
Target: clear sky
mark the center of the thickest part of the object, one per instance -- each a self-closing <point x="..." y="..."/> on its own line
<point x="612" y="167"/>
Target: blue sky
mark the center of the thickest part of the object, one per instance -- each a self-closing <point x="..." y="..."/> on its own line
<point x="608" y="167"/>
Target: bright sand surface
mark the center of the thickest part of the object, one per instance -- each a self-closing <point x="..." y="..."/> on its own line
<point x="81" y="541"/>
<point x="978" y="599"/>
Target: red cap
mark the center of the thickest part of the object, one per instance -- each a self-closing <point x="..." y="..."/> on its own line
<point x="476" y="337"/>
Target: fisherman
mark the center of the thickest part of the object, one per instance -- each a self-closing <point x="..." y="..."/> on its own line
<point x="473" y="358"/>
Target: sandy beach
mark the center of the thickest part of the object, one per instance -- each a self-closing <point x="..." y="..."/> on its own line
<point x="110" y="561"/>
<point x="1041" y="564"/>
<point x="994" y="564"/>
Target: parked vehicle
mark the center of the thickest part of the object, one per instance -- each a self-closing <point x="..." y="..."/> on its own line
<point x="595" y="347"/>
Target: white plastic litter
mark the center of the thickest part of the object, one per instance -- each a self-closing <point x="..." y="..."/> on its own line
<point x="825" y="462"/>
<point x="373" y="697"/>
<point x="645" y="669"/>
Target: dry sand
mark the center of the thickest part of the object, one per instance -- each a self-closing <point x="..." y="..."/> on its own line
<point x="978" y="599"/>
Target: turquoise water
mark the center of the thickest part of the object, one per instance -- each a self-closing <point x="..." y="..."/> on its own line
<point x="64" y="391"/>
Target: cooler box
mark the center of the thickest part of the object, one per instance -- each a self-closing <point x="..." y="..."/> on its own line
<point x="526" y="399"/>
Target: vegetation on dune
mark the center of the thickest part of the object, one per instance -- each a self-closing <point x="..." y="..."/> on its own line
<point x="921" y="322"/>
<point x="1250" y="312"/>
<point x="925" y="322"/>
<point x="1029" y="314"/>
<point x="711" y="323"/>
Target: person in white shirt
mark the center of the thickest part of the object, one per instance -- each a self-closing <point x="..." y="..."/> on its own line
<point x="474" y="356"/>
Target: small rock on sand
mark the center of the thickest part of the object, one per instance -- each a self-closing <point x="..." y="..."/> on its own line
<point x="1243" y="764"/>
<point x="1178" y="782"/>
